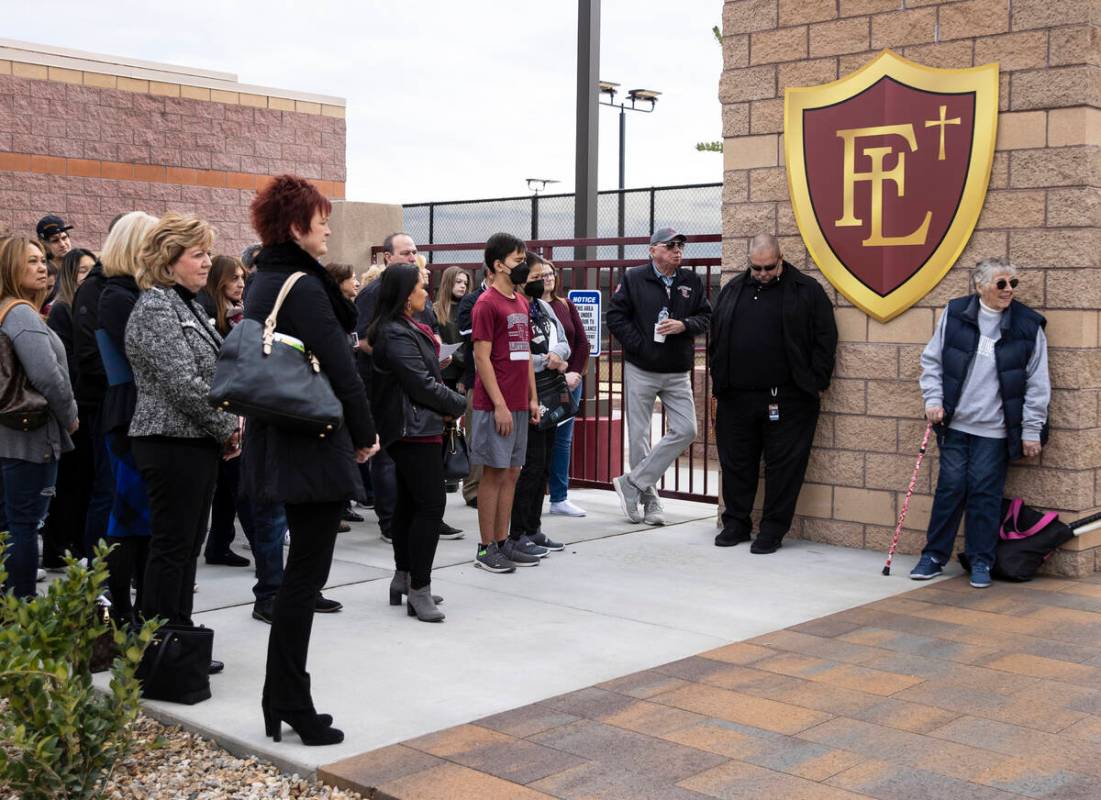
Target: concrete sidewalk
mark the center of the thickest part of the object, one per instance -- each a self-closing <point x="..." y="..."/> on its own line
<point x="620" y="599"/>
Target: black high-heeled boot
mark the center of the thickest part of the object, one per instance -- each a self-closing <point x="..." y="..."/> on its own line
<point x="310" y="727"/>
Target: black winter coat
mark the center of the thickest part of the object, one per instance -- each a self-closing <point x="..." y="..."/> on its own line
<point x="116" y="301"/>
<point x="285" y="467"/>
<point x="408" y="394"/>
<point x="464" y="317"/>
<point x="634" y="310"/>
<point x="91" y="380"/>
<point x="810" y="332"/>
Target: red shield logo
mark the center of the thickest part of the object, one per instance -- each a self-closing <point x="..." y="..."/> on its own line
<point x="888" y="170"/>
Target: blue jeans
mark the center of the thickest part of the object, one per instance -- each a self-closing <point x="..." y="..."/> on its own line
<point x="559" y="474"/>
<point x="28" y="489"/>
<point x="269" y="523"/>
<point x="971" y="479"/>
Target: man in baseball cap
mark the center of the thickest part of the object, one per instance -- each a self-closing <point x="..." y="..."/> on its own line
<point x="666" y="235"/>
<point x="54" y="234"/>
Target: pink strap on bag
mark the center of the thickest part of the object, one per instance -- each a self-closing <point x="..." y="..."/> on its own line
<point x="1015" y="532"/>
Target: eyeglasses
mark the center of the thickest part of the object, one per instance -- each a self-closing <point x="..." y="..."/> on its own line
<point x="765" y="268"/>
<point x="1001" y="283"/>
<point x="673" y="245"/>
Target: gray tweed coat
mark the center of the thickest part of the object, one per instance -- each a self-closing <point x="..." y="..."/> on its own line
<point x="173" y="348"/>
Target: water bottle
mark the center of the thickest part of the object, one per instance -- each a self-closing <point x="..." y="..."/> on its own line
<point x="662" y="316"/>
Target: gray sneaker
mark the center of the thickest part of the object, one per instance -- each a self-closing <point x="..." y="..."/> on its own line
<point x="531" y="548"/>
<point x="491" y="559"/>
<point x="628" y="498"/>
<point x="514" y="552"/>
<point x="652" y="511"/>
<point x="541" y="539"/>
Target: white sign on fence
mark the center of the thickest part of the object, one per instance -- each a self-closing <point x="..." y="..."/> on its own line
<point x="588" y="303"/>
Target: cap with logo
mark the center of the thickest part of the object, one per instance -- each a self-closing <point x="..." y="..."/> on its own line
<point x="51" y="225"/>
<point x="663" y="235"/>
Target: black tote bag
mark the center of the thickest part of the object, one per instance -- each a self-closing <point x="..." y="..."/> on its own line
<point x="176" y="665"/>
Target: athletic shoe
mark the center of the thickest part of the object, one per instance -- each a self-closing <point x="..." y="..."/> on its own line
<point x="730" y="538"/>
<point x="628" y="498"/>
<point x="566" y="509"/>
<point x="262" y="609"/>
<point x="515" y="553"/>
<point x="385" y="537"/>
<point x="531" y="548"/>
<point x="926" y="568"/>
<point x="980" y="575"/>
<point x="368" y="505"/>
<point x="323" y="605"/>
<point x="351" y="516"/>
<point x="491" y="559"/>
<point x="228" y="559"/>
<point x="343" y="527"/>
<point x="449" y="532"/>
<point x="652" y="512"/>
<point x="40" y="576"/>
<point x="542" y="540"/>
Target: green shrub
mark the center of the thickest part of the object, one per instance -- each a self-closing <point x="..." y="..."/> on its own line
<point x="59" y="736"/>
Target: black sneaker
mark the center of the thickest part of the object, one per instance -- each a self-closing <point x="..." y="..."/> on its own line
<point x="323" y="605"/>
<point x="227" y="559"/>
<point x="262" y="610"/>
<point x="730" y="538"/>
<point x="543" y="540"/>
<point x="449" y="532"/>
<point x="515" y="552"/>
<point x="351" y="516"/>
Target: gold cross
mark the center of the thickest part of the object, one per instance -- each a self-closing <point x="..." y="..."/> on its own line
<point x="929" y="123"/>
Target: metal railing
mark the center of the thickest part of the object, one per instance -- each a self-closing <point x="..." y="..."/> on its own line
<point x="599" y="452"/>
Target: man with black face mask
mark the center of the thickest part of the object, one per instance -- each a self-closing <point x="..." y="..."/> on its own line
<point x="504" y="398"/>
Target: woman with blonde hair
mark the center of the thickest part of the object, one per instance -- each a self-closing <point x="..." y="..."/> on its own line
<point x="128" y="521"/>
<point x="29" y="452"/>
<point x="177" y="436"/>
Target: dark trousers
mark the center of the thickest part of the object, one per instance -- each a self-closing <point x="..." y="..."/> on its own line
<point x="418" y="511"/>
<point x="27" y="491"/>
<point x="972" y="479"/>
<point x="384" y="482"/>
<point x="64" y="527"/>
<point x="527" y="505"/>
<point x="103" y="478"/>
<point x="743" y="433"/>
<point x="126" y="566"/>
<point x="228" y="505"/>
<point x="179" y="476"/>
<point x="313" y="529"/>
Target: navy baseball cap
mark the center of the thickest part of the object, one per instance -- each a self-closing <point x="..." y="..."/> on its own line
<point x="662" y="235"/>
<point x="51" y="225"/>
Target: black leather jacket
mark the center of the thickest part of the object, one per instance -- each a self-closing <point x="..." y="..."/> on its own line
<point x="408" y="394"/>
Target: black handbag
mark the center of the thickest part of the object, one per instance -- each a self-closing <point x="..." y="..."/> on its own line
<point x="456" y="455"/>
<point x="176" y="665"/>
<point x="556" y="404"/>
<point x="273" y="378"/>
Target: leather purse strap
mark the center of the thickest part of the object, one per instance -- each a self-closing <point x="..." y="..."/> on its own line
<point x="269" y="323"/>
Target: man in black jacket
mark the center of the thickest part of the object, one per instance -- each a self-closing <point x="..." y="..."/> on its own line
<point x="656" y="312"/>
<point x="773" y="341"/>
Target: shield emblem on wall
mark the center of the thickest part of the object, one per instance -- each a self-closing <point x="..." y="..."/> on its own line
<point x="887" y="171"/>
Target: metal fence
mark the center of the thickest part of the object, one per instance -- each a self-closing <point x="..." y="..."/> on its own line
<point x="691" y="209"/>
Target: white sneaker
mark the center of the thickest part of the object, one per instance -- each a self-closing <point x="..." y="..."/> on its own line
<point x="40" y="576"/>
<point x="652" y="511"/>
<point x="566" y="509"/>
<point x="287" y="538"/>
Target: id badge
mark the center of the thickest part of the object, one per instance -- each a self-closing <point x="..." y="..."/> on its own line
<point x="773" y="412"/>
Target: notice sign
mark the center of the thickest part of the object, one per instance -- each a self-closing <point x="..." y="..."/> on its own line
<point x="588" y="308"/>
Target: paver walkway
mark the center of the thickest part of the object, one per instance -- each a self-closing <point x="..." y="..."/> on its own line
<point x="943" y="692"/>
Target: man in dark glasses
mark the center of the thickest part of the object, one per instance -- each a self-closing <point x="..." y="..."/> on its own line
<point x="656" y="312"/>
<point x="773" y="340"/>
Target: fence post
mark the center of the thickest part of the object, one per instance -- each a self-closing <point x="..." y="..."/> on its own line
<point x="652" y="195"/>
<point x="431" y="228"/>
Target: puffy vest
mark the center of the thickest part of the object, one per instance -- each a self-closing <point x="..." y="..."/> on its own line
<point x="1011" y="355"/>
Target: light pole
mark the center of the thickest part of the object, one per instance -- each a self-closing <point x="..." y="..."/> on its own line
<point x="609" y="90"/>
<point x="535" y="186"/>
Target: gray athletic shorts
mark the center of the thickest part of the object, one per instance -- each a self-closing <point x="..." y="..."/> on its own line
<point x="491" y="449"/>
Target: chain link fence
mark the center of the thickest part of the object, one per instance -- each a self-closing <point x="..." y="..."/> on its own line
<point x="691" y="209"/>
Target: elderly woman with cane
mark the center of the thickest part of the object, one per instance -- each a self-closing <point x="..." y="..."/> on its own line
<point x="986" y="388"/>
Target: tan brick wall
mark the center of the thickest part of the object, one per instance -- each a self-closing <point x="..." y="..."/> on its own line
<point x="1043" y="211"/>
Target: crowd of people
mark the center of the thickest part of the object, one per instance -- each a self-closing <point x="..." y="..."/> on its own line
<point x="108" y="430"/>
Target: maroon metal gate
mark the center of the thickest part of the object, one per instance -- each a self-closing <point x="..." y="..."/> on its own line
<point x="600" y="429"/>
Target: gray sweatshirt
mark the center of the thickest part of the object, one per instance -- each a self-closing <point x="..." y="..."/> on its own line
<point x="979" y="411"/>
<point x="42" y="356"/>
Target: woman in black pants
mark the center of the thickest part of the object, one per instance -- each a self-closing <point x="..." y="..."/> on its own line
<point x="311" y="476"/>
<point x="412" y="403"/>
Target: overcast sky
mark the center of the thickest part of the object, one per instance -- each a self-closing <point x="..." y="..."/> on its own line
<point x="446" y="100"/>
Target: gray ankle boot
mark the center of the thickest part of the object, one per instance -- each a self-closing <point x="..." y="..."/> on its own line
<point x="399" y="585"/>
<point x="423" y="606"/>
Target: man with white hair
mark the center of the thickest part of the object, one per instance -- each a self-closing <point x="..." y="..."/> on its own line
<point x="984" y="379"/>
<point x="773" y="342"/>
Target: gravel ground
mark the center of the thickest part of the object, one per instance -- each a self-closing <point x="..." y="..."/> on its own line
<point x="173" y="764"/>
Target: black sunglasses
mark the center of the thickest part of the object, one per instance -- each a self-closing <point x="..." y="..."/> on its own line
<point x="765" y="268"/>
<point x="1001" y="283"/>
<point x="673" y="245"/>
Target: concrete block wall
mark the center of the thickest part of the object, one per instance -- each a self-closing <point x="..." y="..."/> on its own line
<point x="1043" y="211"/>
<point x="88" y="144"/>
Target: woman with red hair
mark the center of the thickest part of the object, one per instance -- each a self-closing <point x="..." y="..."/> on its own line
<point x="312" y="477"/>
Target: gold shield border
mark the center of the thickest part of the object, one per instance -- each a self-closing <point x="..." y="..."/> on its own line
<point x="983" y="81"/>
